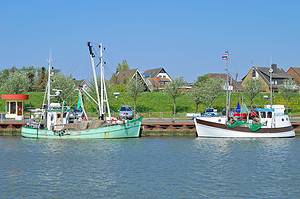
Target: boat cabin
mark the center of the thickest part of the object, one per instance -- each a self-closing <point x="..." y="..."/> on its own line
<point x="274" y="117"/>
<point x="14" y="108"/>
<point x="57" y="116"/>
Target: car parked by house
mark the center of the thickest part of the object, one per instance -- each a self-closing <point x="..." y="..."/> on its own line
<point x="210" y="112"/>
<point x="126" y="112"/>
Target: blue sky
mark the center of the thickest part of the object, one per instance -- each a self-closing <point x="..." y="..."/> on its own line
<point x="186" y="37"/>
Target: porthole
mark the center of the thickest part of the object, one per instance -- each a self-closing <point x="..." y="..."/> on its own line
<point x="282" y="119"/>
<point x="219" y="120"/>
<point x="287" y="119"/>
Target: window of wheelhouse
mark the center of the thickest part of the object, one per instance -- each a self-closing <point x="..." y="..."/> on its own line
<point x="263" y="114"/>
<point x="269" y="115"/>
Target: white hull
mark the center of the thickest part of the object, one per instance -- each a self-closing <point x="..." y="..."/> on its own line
<point x="216" y="132"/>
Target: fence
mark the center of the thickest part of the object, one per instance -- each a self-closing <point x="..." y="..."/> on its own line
<point x="163" y="115"/>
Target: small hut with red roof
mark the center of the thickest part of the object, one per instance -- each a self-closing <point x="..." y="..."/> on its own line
<point x="14" y="105"/>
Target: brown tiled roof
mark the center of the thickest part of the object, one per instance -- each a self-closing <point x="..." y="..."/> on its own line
<point x="296" y="69"/>
<point x="220" y="76"/>
<point x="123" y="76"/>
<point x="154" y="81"/>
<point x="277" y="72"/>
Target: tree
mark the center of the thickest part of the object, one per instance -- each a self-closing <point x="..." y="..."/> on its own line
<point x="64" y="83"/>
<point x="252" y="89"/>
<point x="17" y="82"/>
<point x="122" y="66"/>
<point x="212" y="88"/>
<point x="4" y="76"/>
<point x="206" y="91"/>
<point x="30" y="73"/>
<point x="197" y="96"/>
<point x="202" y="78"/>
<point x="134" y="88"/>
<point x="287" y="90"/>
<point x="173" y="89"/>
<point x="41" y="79"/>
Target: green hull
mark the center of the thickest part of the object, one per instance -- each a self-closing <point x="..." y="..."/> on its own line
<point x="129" y="130"/>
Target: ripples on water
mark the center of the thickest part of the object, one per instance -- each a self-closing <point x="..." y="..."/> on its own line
<point x="150" y="168"/>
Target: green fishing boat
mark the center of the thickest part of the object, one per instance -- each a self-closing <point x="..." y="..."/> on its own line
<point x="130" y="129"/>
<point x="57" y="121"/>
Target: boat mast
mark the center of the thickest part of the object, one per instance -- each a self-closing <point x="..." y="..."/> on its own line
<point x="226" y="58"/>
<point x="92" y="55"/>
<point x="271" y="94"/>
<point x="49" y="82"/>
<point x="101" y="80"/>
<point x="104" y="98"/>
<point x="271" y="87"/>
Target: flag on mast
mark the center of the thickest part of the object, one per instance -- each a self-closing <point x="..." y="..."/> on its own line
<point x="225" y="56"/>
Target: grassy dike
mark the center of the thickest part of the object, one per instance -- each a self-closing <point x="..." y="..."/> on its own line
<point x="157" y="104"/>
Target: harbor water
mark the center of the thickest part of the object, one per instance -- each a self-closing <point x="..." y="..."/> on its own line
<point x="150" y="168"/>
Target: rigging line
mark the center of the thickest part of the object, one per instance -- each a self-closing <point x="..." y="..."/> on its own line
<point x="71" y="91"/>
<point x="92" y="103"/>
<point x="90" y="96"/>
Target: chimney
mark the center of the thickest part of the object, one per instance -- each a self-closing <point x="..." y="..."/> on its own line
<point x="274" y="67"/>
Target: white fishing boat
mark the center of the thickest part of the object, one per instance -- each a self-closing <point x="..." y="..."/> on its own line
<point x="57" y="121"/>
<point x="268" y="122"/>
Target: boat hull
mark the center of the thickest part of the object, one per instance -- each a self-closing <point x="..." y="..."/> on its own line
<point x="129" y="130"/>
<point x="211" y="129"/>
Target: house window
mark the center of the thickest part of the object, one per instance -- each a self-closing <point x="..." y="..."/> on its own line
<point x="253" y="73"/>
